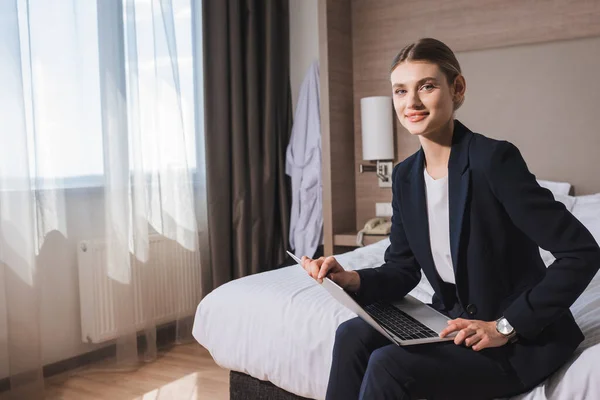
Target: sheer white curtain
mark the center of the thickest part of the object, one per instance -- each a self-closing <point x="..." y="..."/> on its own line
<point x="100" y="139"/>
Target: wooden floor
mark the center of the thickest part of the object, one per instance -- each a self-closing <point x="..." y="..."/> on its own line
<point x="182" y="372"/>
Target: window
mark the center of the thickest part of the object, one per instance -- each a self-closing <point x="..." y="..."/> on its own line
<point x="60" y="60"/>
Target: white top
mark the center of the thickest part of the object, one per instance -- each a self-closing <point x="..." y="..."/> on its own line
<point x="439" y="225"/>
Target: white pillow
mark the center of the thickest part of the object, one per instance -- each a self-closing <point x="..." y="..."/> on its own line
<point x="587" y="207"/>
<point x="588" y="199"/>
<point x="562" y="188"/>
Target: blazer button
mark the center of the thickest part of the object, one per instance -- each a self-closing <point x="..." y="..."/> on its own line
<point x="471" y="309"/>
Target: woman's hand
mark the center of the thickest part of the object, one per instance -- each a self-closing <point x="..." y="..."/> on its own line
<point x="329" y="267"/>
<point x="476" y="334"/>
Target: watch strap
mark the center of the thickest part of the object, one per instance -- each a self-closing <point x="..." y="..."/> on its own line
<point x="512" y="337"/>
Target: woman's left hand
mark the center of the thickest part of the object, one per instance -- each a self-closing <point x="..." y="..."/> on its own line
<point x="476" y="334"/>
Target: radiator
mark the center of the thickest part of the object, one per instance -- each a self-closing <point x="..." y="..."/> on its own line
<point x="165" y="288"/>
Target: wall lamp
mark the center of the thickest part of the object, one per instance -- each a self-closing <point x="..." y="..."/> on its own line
<point x="377" y="137"/>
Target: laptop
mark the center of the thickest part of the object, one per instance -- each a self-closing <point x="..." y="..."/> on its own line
<point x="406" y="322"/>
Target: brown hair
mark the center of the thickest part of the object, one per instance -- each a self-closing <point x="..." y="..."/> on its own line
<point x="435" y="52"/>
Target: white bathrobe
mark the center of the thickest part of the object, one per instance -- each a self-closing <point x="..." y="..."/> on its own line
<point x="303" y="165"/>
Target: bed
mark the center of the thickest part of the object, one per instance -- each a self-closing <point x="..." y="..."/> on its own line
<point x="279" y="327"/>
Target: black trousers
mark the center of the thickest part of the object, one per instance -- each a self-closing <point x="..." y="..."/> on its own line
<point x="366" y="365"/>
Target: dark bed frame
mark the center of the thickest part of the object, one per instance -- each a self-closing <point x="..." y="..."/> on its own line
<point x="245" y="387"/>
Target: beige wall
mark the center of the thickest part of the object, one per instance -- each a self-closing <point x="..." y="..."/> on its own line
<point x="545" y="99"/>
<point x="304" y="41"/>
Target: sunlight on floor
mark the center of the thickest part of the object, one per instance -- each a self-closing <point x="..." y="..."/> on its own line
<point x="184" y="388"/>
<point x="185" y="372"/>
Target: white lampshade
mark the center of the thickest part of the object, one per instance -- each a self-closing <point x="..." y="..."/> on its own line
<point x="377" y="128"/>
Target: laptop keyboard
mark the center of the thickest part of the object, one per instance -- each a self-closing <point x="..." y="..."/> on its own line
<point x="401" y="324"/>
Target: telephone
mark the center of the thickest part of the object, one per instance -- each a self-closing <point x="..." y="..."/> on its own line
<point x="374" y="226"/>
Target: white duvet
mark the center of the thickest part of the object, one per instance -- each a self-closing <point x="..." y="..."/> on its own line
<point x="280" y="326"/>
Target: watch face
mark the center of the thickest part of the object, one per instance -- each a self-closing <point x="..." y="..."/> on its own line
<point x="504" y="327"/>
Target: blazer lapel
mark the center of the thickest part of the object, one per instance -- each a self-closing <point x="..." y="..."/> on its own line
<point x="459" y="179"/>
<point x="414" y="209"/>
<point x="414" y="212"/>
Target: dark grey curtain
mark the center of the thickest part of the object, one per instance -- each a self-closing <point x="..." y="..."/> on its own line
<point x="248" y="124"/>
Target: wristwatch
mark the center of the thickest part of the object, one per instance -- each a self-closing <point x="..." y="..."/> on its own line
<point x="505" y="329"/>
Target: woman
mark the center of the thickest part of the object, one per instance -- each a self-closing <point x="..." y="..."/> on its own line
<point x="469" y="214"/>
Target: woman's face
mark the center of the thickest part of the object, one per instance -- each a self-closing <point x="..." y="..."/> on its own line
<point x="423" y="98"/>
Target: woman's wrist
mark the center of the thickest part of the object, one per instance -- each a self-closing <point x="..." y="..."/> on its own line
<point x="354" y="282"/>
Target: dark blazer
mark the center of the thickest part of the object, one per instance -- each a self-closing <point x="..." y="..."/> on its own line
<point x="499" y="215"/>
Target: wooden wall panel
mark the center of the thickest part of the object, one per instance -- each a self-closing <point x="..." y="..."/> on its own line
<point x="381" y="28"/>
<point x="337" y="121"/>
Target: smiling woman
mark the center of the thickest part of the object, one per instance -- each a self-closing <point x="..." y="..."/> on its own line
<point x="469" y="215"/>
<point x="428" y="86"/>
